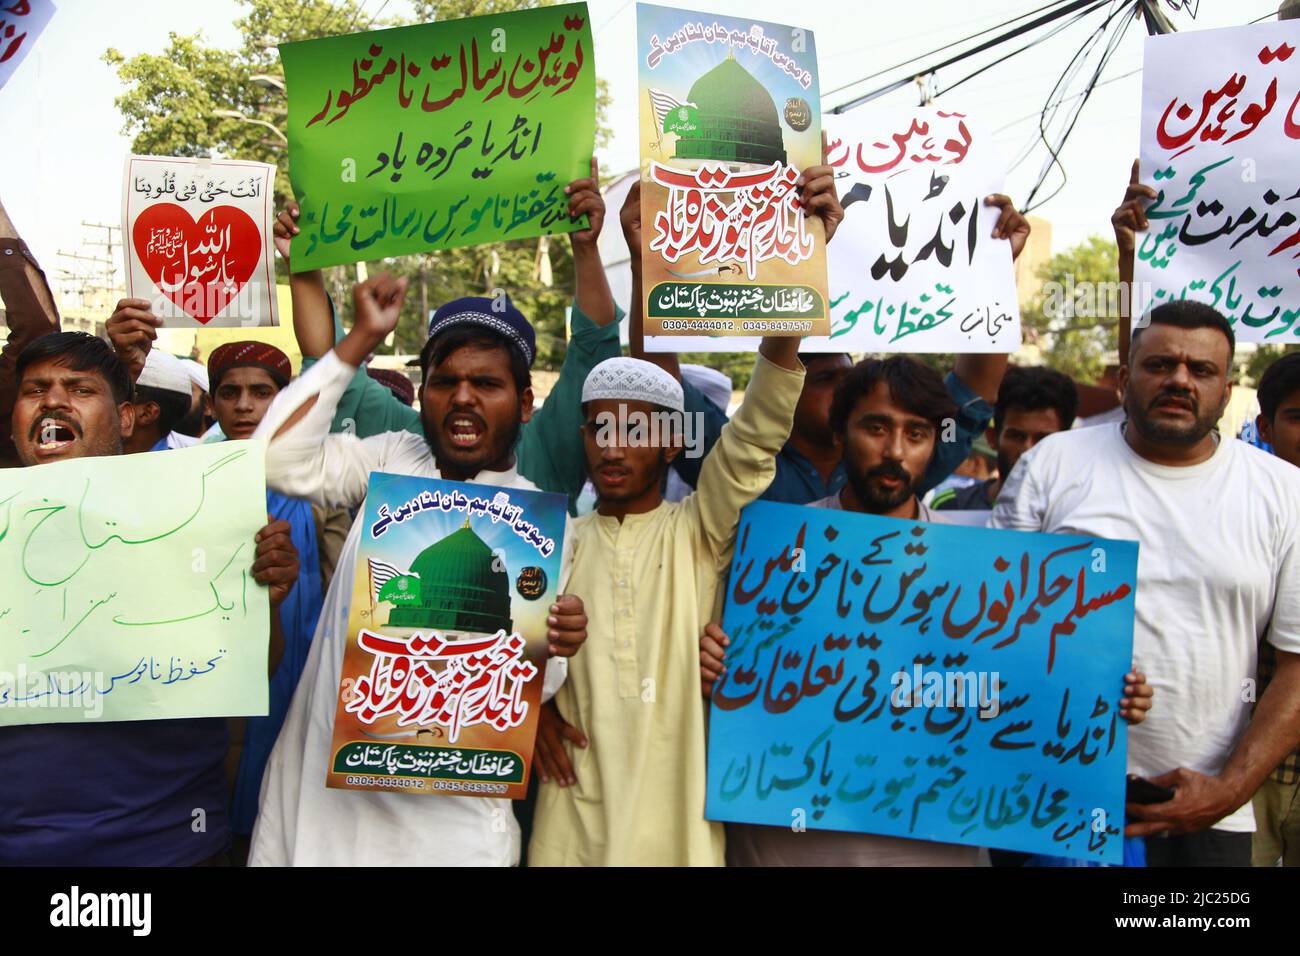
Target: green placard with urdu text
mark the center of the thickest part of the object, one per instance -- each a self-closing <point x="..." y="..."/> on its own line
<point x="439" y="135"/>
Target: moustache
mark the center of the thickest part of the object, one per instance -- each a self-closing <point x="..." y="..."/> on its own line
<point x="1169" y="393"/>
<point x="476" y="419"/>
<point x="62" y="419"/>
<point x="890" y="469"/>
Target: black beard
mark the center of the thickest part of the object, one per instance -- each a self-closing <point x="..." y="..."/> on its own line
<point x="443" y="455"/>
<point x="881" y="503"/>
<point x="1177" y="435"/>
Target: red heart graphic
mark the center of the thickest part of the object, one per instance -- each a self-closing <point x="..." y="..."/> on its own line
<point x="199" y="265"/>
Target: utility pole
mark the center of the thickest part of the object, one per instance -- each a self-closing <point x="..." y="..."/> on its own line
<point x="109" y="244"/>
<point x="92" y="279"/>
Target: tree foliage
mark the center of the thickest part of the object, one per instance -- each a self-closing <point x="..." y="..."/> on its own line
<point x="173" y="105"/>
<point x="1074" y="318"/>
<point x="1260" y="360"/>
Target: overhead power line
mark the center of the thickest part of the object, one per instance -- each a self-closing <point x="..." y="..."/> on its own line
<point x="1057" y="11"/>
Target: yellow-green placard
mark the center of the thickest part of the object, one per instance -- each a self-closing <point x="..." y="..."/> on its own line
<point x="439" y="135"/>
<point x="126" y="589"/>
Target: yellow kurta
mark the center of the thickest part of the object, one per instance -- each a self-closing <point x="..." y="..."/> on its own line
<point x="650" y="583"/>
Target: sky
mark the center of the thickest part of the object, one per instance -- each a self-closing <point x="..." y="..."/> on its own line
<point x="62" y="147"/>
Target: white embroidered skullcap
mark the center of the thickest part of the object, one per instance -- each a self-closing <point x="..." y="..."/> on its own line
<point x="198" y="374"/>
<point x="715" y="385"/>
<point x="166" y="372"/>
<point x="633" y="380"/>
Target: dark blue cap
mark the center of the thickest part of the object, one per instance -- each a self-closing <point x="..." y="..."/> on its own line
<point x="497" y="314"/>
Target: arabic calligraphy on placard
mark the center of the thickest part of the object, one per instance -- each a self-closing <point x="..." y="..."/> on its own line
<point x="936" y="137"/>
<point x="198" y="232"/>
<point x="926" y="681"/>
<point x="753" y="39"/>
<point x="81" y="640"/>
<point x="405" y="760"/>
<point x="21" y="22"/>
<point x="1217" y="145"/>
<point x="447" y="637"/>
<point x="760" y="220"/>
<point x="449" y="134"/>
<point x="427" y="679"/>
<point x="498" y="508"/>
<point x="915" y="254"/>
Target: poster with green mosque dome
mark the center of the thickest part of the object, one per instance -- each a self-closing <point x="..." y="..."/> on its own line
<point x="730" y="116"/>
<point x="442" y="674"/>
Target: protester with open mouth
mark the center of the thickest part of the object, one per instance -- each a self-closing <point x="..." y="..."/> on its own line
<point x="148" y="777"/>
<point x="475" y="395"/>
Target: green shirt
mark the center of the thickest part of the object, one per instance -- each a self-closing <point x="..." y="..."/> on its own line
<point x="549" y="452"/>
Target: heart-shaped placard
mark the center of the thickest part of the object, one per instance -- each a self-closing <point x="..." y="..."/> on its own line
<point x="199" y="265"/>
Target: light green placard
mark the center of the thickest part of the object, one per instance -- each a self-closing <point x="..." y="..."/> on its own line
<point x="439" y="135"/>
<point x="126" y="589"/>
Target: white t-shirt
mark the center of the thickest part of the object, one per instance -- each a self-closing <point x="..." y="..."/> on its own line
<point x="1217" y="561"/>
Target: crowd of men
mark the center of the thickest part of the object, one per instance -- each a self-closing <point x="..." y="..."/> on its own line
<point x="1212" y="695"/>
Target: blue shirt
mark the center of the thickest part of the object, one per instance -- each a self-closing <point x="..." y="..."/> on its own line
<point x="128" y="793"/>
<point x="799" y="482"/>
<point x="298" y="616"/>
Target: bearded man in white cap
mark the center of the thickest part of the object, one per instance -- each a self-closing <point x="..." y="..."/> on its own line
<point x="162" y="400"/>
<point x="649" y="573"/>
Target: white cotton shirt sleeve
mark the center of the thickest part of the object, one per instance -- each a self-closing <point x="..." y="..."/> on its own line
<point x="1019" y="506"/>
<point x="307" y="460"/>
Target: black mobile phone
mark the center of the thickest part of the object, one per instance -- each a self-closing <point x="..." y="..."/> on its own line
<point x="1141" y="790"/>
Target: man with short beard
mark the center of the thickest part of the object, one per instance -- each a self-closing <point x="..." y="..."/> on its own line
<point x="475" y="395"/>
<point x="886" y="417"/>
<point x="1218" y="571"/>
<point x="549" y="451"/>
<point x="121" y="793"/>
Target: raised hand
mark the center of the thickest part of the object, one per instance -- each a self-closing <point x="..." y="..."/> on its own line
<point x="630" y="219"/>
<point x="286" y="227"/>
<point x="585" y="199"/>
<point x="1010" y="225"/>
<point x="817" y="195"/>
<point x="133" y="328"/>
<point x="1130" y="217"/>
<point x="378" y="304"/>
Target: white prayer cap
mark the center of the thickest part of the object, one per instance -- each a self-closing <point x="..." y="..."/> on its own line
<point x="633" y="380"/>
<point x="715" y="385"/>
<point x="166" y="372"/>
<point x="198" y="374"/>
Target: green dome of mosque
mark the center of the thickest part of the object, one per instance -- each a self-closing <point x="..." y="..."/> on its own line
<point x="460" y="589"/>
<point x="738" y="121"/>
